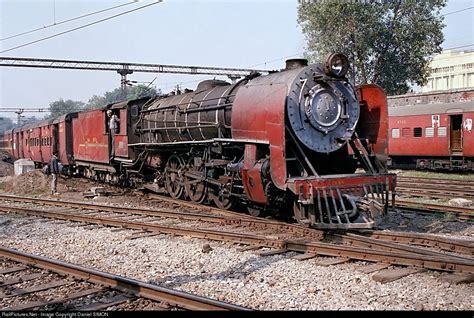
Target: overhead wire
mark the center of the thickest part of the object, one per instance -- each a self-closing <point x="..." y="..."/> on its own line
<point x="173" y="84"/>
<point x="65" y="21"/>
<point x="264" y="63"/>
<point x="80" y="27"/>
<point x="459" y="47"/>
<point x="461" y="10"/>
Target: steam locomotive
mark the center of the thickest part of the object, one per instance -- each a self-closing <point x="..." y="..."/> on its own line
<point x="301" y="141"/>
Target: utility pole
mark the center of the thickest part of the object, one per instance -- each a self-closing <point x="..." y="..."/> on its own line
<point x="19" y="112"/>
<point x="123" y="81"/>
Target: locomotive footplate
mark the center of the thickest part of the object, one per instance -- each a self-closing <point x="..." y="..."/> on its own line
<point x="342" y="202"/>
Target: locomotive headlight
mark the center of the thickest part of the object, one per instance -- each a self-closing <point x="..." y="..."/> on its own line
<point x="336" y="65"/>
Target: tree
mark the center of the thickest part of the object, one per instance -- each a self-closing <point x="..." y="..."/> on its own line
<point x="390" y="43"/>
<point x="26" y="120"/>
<point x="5" y="124"/>
<point x="116" y="95"/>
<point x="61" y="107"/>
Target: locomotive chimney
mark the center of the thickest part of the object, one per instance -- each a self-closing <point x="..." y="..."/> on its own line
<point x="292" y="64"/>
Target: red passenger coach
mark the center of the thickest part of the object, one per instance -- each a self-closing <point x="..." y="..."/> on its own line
<point x="63" y="138"/>
<point x="432" y="131"/>
<point x="35" y="142"/>
<point x="6" y="142"/>
<point x="39" y="140"/>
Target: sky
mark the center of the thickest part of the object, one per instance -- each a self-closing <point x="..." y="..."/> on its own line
<point x="226" y="33"/>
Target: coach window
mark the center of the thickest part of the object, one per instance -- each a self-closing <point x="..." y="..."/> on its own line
<point x="406" y="132"/>
<point x="395" y="132"/>
<point x="417" y="132"/>
<point x="429" y="132"/>
<point x="442" y="132"/>
<point x="134" y="111"/>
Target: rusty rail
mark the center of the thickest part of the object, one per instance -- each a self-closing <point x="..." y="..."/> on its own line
<point x="462" y="213"/>
<point x="447" y="244"/>
<point x="173" y="297"/>
<point x="216" y="216"/>
<point x="394" y="255"/>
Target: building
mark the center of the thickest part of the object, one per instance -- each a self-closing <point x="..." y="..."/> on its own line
<point x="451" y="71"/>
<point x="452" y="96"/>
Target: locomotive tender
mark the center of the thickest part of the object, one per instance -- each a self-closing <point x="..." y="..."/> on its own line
<point x="302" y="140"/>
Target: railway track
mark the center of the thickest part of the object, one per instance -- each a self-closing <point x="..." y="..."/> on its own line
<point x="434" y="188"/>
<point x="83" y="289"/>
<point x="430" y="181"/>
<point x="223" y="217"/>
<point x="383" y="249"/>
<point x="461" y="213"/>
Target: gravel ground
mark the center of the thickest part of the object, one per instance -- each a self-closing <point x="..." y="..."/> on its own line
<point x="266" y="283"/>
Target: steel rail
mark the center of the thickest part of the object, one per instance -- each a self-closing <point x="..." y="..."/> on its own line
<point x="205" y="234"/>
<point x="434" y="180"/>
<point x="462" y="213"/>
<point x="350" y="239"/>
<point x="436" y="262"/>
<point x="141" y="289"/>
<point x="433" y="193"/>
<point x="458" y="246"/>
<point x="436" y="186"/>
<point x="448" y="244"/>
<point x="227" y="218"/>
<point x="383" y="243"/>
<point x="415" y="238"/>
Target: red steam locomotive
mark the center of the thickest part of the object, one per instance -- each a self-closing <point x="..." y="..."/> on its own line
<point x="301" y="141"/>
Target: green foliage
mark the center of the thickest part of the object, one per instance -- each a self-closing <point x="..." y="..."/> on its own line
<point x="5" y="124"/>
<point x="390" y="43"/>
<point x="116" y="95"/>
<point x="61" y="107"/>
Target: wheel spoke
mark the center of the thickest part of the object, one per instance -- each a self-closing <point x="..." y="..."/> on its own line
<point x="173" y="182"/>
<point x="194" y="184"/>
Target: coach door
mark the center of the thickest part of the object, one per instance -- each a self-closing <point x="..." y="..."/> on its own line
<point x="16" y="145"/>
<point x="455" y="136"/>
<point x="22" y="145"/>
<point x="55" y="138"/>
